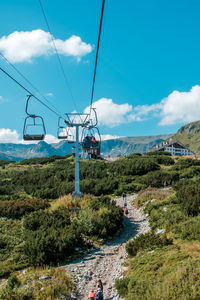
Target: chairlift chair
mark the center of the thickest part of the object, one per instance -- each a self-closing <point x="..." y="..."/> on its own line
<point x="90" y="147"/>
<point x="70" y="139"/>
<point x="62" y="130"/>
<point x="34" y="127"/>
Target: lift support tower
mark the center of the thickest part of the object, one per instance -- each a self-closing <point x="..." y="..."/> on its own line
<point x="77" y="120"/>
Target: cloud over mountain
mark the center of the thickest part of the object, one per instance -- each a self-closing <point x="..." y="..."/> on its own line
<point x="178" y="107"/>
<point x="111" y="114"/>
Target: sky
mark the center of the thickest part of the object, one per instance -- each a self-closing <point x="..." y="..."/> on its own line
<point x="148" y="74"/>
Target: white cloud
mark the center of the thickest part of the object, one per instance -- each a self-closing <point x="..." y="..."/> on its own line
<point x="105" y="137"/>
<point x="178" y="107"/>
<point x="110" y="113"/>
<point x="142" y="112"/>
<point x="12" y="136"/>
<point x="22" y="46"/>
<point x="9" y="136"/>
<point x="181" y="107"/>
<point x="49" y="94"/>
<point x="2" y="99"/>
<point x="50" y="139"/>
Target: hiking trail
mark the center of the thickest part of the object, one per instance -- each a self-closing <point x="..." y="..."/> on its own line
<point x="106" y="262"/>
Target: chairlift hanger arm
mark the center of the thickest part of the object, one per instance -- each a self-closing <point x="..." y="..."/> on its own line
<point x="96" y="119"/>
<point x="27" y="103"/>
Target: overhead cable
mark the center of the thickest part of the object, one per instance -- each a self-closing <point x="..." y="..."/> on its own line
<point x="27" y="80"/>
<point x="58" y="57"/>
<point x="11" y="77"/>
<point x="97" y="52"/>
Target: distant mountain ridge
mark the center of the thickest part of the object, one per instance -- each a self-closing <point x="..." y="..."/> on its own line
<point x="113" y="147"/>
<point x="129" y="145"/>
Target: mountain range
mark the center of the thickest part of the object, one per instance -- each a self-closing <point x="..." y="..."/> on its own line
<point x="112" y="147"/>
<point x="188" y="135"/>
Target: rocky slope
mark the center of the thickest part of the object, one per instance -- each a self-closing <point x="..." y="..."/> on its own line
<point x="106" y="263"/>
<point x="129" y="145"/>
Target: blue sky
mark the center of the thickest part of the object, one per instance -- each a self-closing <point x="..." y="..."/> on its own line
<point x="149" y="65"/>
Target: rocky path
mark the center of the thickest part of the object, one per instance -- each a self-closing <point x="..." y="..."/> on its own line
<point x="106" y="262"/>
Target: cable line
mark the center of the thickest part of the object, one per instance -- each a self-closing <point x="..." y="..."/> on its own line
<point x="58" y="57"/>
<point x="97" y="52"/>
<point x="27" y="80"/>
<point x="11" y="77"/>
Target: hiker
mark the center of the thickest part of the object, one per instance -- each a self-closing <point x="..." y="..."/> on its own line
<point x="124" y="196"/>
<point x="100" y="285"/>
<point x="92" y="295"/>
<point x="99" y="294"/>
<point x="126" y="211"/>
<point x="89" y="245"/>
<point x="165" y="184"/>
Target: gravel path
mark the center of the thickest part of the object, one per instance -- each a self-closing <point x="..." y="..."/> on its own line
<point x="106" y="262"/>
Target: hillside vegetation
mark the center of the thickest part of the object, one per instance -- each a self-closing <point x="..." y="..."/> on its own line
<point x="164" y="263"/>
<point x="40" y="224"/>
<point x="189" y="135"/>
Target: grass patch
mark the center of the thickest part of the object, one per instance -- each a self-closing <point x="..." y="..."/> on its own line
<point x="11" y="246"/>
<point x="163" y="274"/>
<point x="39" y="284"/>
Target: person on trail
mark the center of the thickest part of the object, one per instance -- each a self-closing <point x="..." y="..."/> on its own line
<point x="89" y="245"/>
<point x="165" y="184"/>
<point x="99" y="294"/>
<point x="92" y="295"/>
<point x="99" y="285"/>
<point x="124" y="196"/>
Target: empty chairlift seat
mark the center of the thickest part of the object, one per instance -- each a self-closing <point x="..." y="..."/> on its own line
<point x="34" y="128"/>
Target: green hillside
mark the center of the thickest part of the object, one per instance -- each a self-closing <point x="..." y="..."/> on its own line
<point x="164" y="263"/>
<point x="41" y="225"/>
<point x="189" y="135"/>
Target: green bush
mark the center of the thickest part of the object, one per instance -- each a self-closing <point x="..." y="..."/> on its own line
<point x="49" y="236"/>
<point x="17" y="209"/>
<point x="158" y="153"/>
<point x="188" y="195"/>
<point x="12" y="282"/>
<point x="165" y="219"/>
<point x="133" y="166"/>
<point x="157" y="178"/>
<point x="122" y="286"/>
<point x="186" y="163"/>
<point x="146" y="241"/>
<point x="188" y="230"/>
<point x="102" y="218"/>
